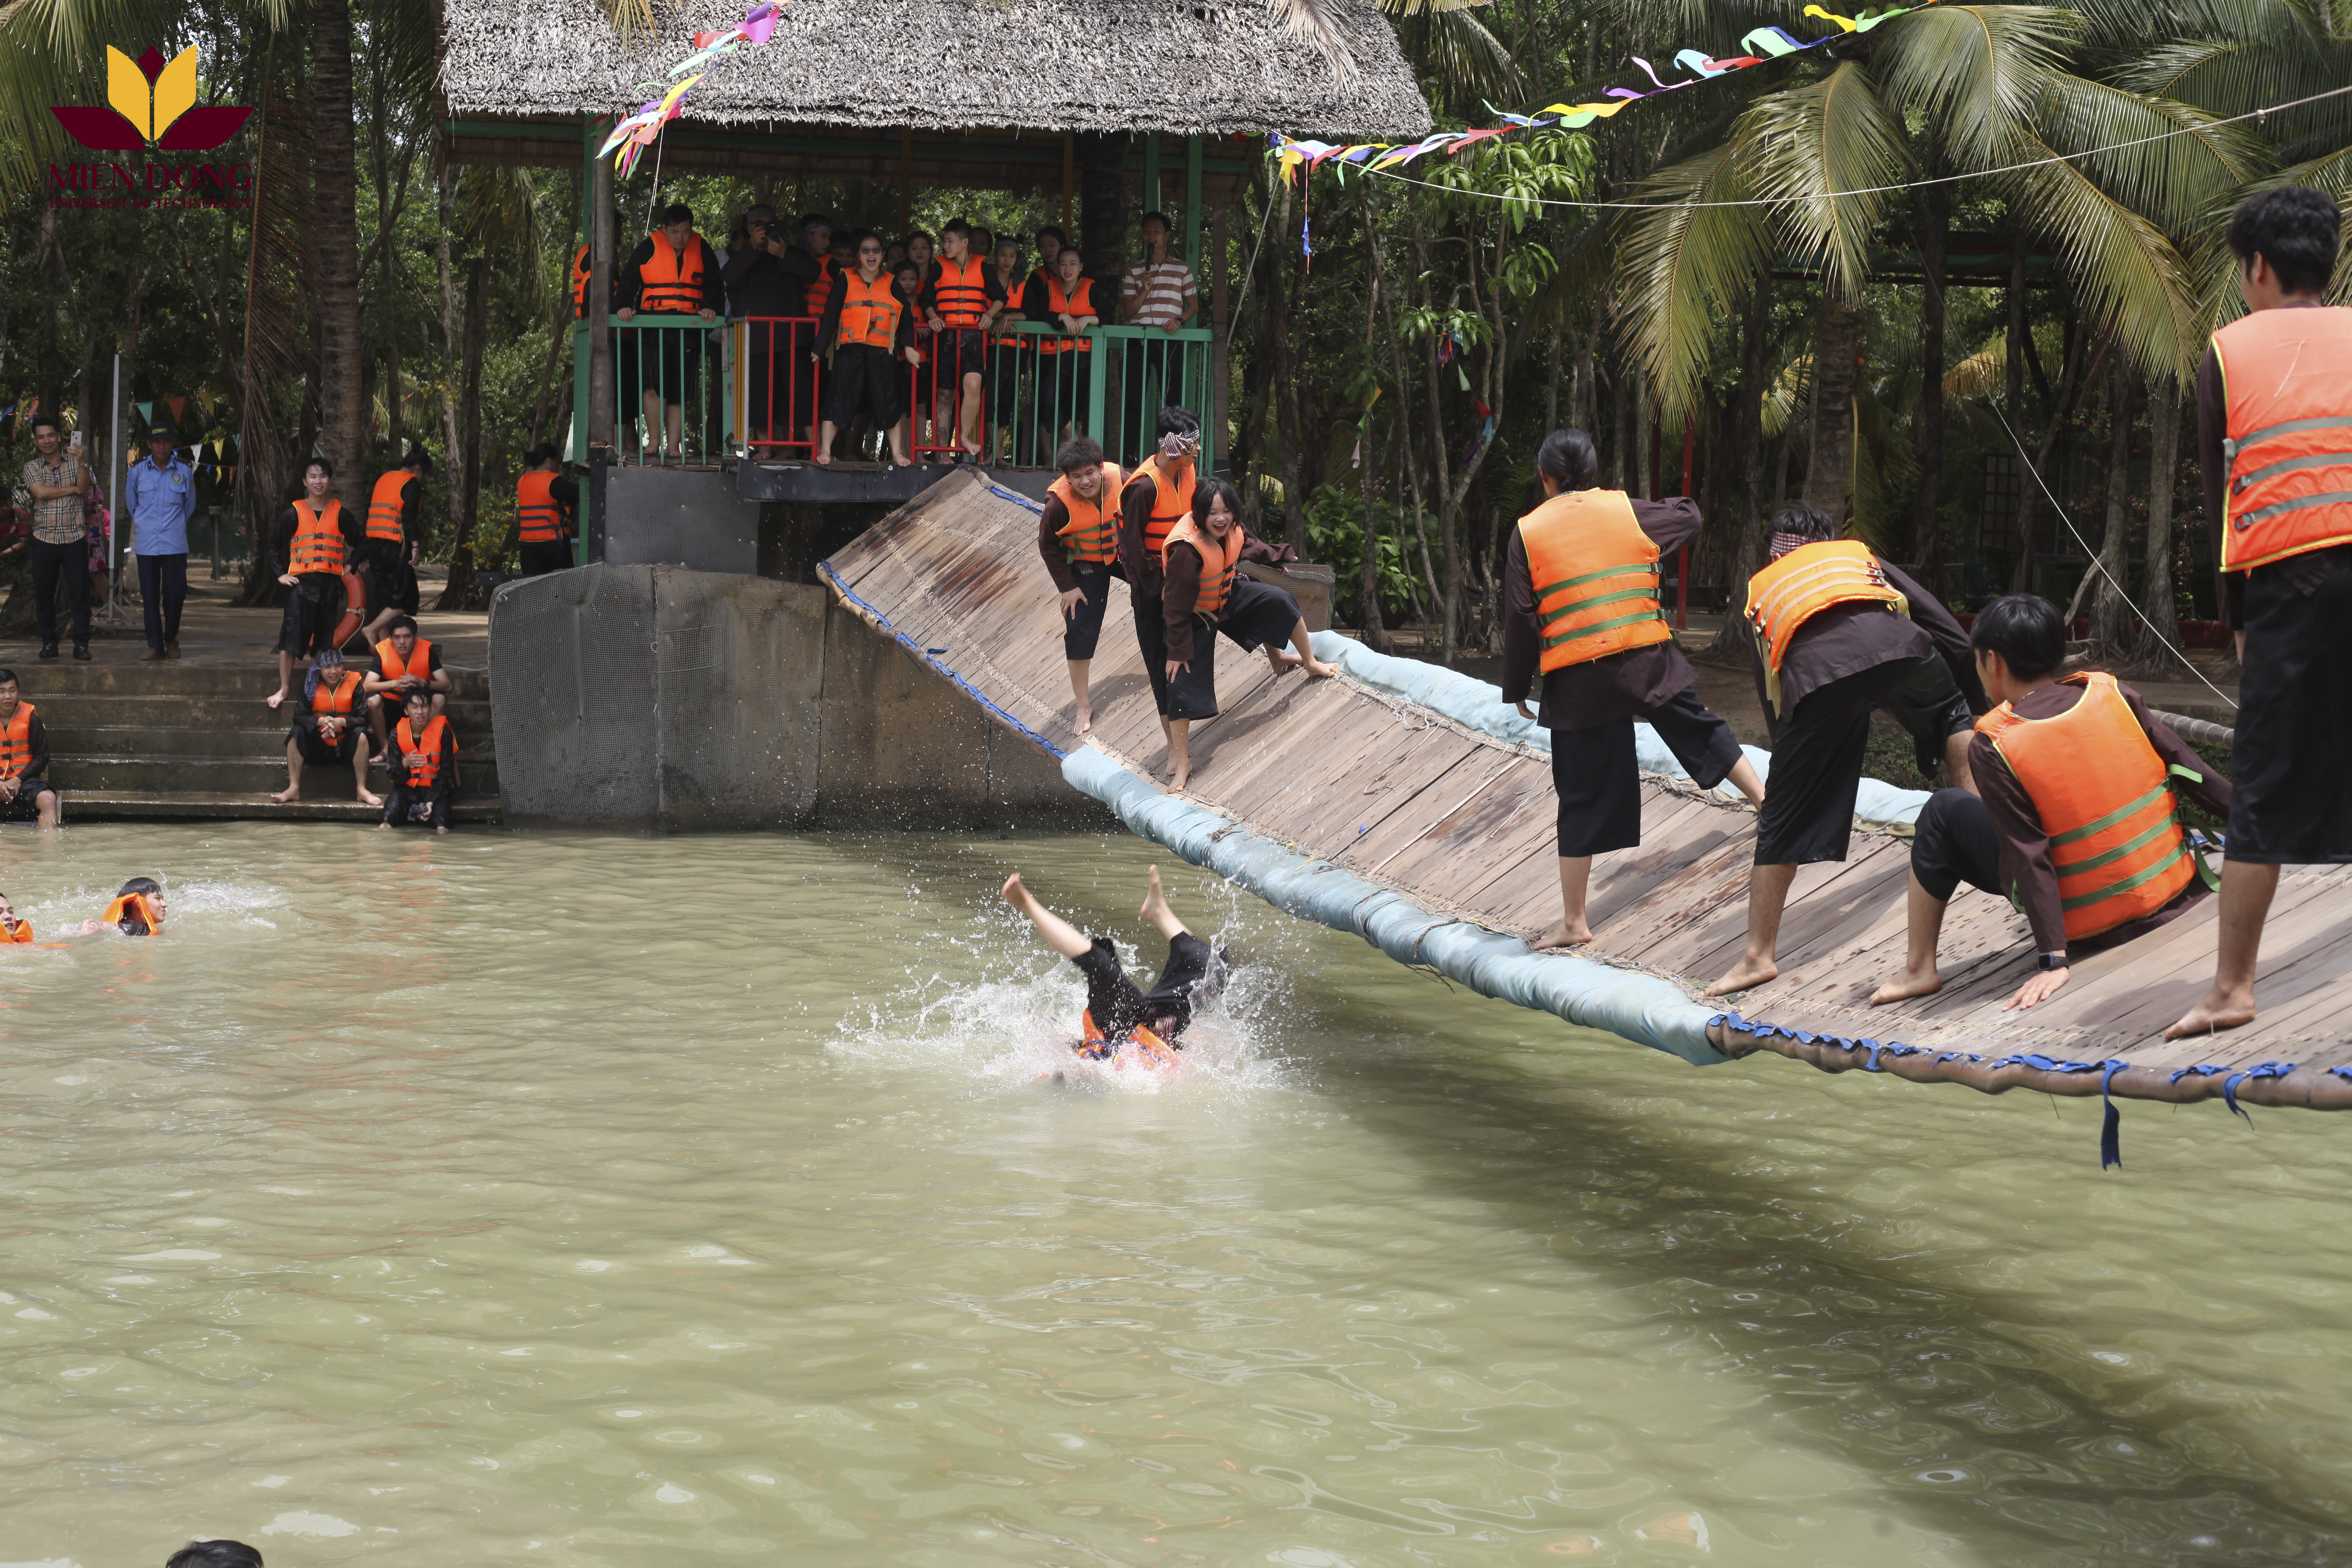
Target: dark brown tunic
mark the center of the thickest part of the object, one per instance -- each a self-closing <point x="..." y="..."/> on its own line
<point x="1601" y="690"/>
<point x="1846" y="640"/>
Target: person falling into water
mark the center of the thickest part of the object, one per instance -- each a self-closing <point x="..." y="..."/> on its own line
<point x="2077" y="823"/>
<point x="1204" y="594"/>
<point x="1581" y="604"/>
<point x="1116" y="1010"/>
<point x="136" y="910"/>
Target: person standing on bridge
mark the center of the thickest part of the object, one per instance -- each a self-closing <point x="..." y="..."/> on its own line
<point x="1078" y="535"/>
<point x="1581" y="605"/>
<point x="1155" y="495"/>
<point x="2076" y="822"/>
<point x="2275" y="439"/>
<point x="868" y="330"/>
<point x="671" y="272"/>
<point x="1838" y="632"/>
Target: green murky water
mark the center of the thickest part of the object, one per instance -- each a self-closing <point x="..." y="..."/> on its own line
<point x="601" y="1201"/>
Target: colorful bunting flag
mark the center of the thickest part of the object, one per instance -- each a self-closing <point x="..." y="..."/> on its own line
<point x="640" y="131"/>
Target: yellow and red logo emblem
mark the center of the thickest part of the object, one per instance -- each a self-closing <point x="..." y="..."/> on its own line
<point x="153" y="105"/>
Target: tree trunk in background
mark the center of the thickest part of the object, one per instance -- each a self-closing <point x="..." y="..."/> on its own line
<point x="1748" y="438"/>
<point x="452" y="337"/>
<point x="2154" y="640"/>
<point x="335" y="232"/>
<point x="1829" y="478"/>
<point x="2021" y="570"/>
<point x="1926" y="516"/>
<point x="1367" y="613"/>
<point x="2110" y="595"/>
<point x="604" y="264"/>
<point x="1286" y="382"/>
<point x="1552" y="380"/>
<point x="466" y="459"/>
<point x="1102" y="205"/>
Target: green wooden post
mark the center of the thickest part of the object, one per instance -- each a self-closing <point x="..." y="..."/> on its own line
<point x="1152" y="170"/>
<point x="1192" y="204"/>
<point x="589" y="141"/>
<point x="1097" y="384"/>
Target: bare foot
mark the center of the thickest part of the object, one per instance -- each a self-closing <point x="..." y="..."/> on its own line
<point x="1280" y="660"/>
<point x="367" y="799"/>
<point x="1561" y="935"/>
<point x="1319" y="671"/>
<point x="440" y="830"/>
<point x="1748" y="973"/>
<point x="1013" y="893"/>
<point x="1085" y="718"/>
<point x="822" y="459"/>
<point x="384" y="827"/>
<point x="1179" y="779"/>
<point x="288" y="796"/>
<point x="1155" y="902"/>
<point x="1905" y="985"/>
<point x="2217" y="1009"/>
<point x="274" y="698"/>
<point x="903" y="462"/>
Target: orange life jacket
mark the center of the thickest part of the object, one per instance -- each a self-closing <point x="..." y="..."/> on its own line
<point x="673" y="279"/>
<point x="1170" y="501"/>
<point x="389" y="666"/>
<point x="960" y="293"/>
<point x="1078" y="302"/>
<point x="21" y="932"/>
<point x="1807" y="581"/>
<point x="581" y="277"/>
<point x="1218" y="563"/>
<point x="818" y="293"/>
<point x="318" y="539"/>
<point x="535" y="507"/>
<point x="2286" y="381"/>
<point x="383" y="506"/>
<point x="1596" y="578"/>
<point x="133" y="906"/>
<point x="1092" y="534"/>
<point x="332" y="705"/>
<point x="16" y="741"/>
<point x="404" y="740"/>
<point x="869" y="313"/>
<point x="2100" y="788"/>
<point x="1095" y="1047"/>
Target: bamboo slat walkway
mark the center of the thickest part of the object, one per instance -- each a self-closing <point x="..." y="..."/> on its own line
<point x="1462" y="824"/>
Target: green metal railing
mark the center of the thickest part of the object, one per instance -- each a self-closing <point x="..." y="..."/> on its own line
<point x="1112" y="389"/>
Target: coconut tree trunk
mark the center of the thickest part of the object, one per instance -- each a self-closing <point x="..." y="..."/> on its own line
<point x="465" y="456"/>
<point x="335" y="232"/>
<point x="1829" y="480"/>
<point x="2110" y="601"/>
<point x="2160" y="633"/>
<point x="1285" y="382"/>
<point x="1745" y="553"/>
<point x="1927" y="519"/>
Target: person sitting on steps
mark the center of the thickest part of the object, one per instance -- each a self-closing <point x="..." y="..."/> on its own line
<point x="405" y="663"/>
<point x="423" y="762"/>
<point x="1115" y="1009"/>
<point x="25" y="793"/>
<point x="329" y="732"/>
<point x="2075" y="823"/>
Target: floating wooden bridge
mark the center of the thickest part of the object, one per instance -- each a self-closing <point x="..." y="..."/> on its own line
<point x="1410" y="804"/>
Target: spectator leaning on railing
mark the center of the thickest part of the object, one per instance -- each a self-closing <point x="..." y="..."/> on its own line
<point x="57" y="480"/>
<point x="161" y="496"/>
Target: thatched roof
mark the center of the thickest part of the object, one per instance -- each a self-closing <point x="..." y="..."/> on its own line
<point x="1189" y="67"/>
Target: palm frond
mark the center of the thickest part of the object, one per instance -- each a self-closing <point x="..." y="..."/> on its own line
<point x="1314" y="23"/>
<point x="2175" y="181"/>
<point x="2133" y="277"/>
<point x="1785" y="397"/>
<point x="1807" y="142"/>
<point x="1982" y="374"/>
<point x="1471" y="60"/>
<point x="1976" y="72"/>
<point x="1683" y="268"/>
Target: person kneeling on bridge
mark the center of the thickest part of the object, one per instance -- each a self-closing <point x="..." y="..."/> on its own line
<point x="1115" y="1011"/>
<point x="1204" y="592"/>
<point x="2077" y="823"/>
<point x="328" y="732"/>
<point x="405" y="663"/>
<point x="1581" y="603"/>
<point x="136" y="910"/>
<point x="23" y="758"/>
<point x="423" y="762"/>
<point x="1078" y="535"/>
<point x="1836" y="633"/>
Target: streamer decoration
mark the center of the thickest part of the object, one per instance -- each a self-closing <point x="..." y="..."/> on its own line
<point x="640" y="131"/>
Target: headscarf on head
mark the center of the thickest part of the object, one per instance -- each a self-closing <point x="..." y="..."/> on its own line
<point x="327" y="658"/>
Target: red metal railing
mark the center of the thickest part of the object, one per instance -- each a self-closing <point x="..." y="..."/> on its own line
<point x="779" y="386"/>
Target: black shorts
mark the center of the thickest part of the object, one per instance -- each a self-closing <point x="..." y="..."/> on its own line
<point x="957" y="353"/>
<point x="309" y="624"/>
<point x="1598" y="781"/>
<point x="1954" y="843"/>
<point x="546" y="555"/>
<point x="1257" y="614"/>
<point x="1081" y="630"/>
<point x="313" y="750"/>
<point x="1118" y="1007"/>
<point x="27" y="806"/>
<point x="1817" y="755"/>
<point x="866" y="379"/>
<point x="670" y="362"/>
<point x="1151" y="642"/>
<point x="2291" y="765"/>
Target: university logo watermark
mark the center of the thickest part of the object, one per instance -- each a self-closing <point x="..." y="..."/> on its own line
<point x="151" y="106"/>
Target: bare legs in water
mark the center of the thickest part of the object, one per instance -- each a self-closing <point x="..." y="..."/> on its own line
<point x="1068" y="939"/>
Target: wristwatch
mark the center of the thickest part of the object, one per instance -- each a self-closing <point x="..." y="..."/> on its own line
<point x="2046" y="962"/>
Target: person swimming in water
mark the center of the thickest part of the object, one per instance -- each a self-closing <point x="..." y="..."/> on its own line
<point x="13" y="930"/>
<point x="1116" y="1010"/>
<point x="136" y="910"/>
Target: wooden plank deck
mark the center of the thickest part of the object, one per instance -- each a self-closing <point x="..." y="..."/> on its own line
<point x="1462" y="824"/>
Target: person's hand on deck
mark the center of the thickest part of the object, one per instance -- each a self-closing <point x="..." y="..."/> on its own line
<point x="1070" y="602"/>
<point x="2039" y="989"/>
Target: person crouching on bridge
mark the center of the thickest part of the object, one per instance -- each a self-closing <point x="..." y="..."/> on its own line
<point x="313" y="537"/>
<point x="1836" y="633"/>
<point x="1580" y="604"/>
<point x="1078" y="536"/>
<point x="136" y="910"/>
<point x="329" y="731"/>
<point x="423" y="762"/>
<point x="1117" y="1011"/>
<point x="25" y="795"/>
<point x="547" y="511"/>
<point x="868" y="328"/>
<point x="1204" y="594"/>
<point x="405" y="665"/>
<point x="2076" y="821"/>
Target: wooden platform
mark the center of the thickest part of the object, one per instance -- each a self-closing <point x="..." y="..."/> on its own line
<point x="1462" y="824"/>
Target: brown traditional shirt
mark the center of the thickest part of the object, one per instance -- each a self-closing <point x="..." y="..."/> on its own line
<point x="1601" y="690"/>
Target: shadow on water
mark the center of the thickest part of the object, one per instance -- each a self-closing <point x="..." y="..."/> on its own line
<point x="2026" y="1446"/>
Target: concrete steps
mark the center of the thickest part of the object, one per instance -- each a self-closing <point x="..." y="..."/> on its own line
<point x="193" y="739"/>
